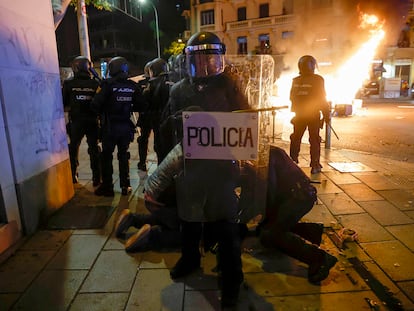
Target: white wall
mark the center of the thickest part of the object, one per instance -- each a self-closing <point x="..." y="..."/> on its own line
<point x="32" y="127"/>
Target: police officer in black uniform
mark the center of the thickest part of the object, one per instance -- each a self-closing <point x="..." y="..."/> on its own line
<point x="77" y="96"/>
<point x="308" y="99"/>
<point x="114" y="100"/>
<point x="156" y="94"/>
<point x="205" y="191"/>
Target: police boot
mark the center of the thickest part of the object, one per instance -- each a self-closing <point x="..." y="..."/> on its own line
<point x="319" y="261"/>
<point x="310" y="231"/>
<point x="230" y="264"/>
<point x="190" y="253"/>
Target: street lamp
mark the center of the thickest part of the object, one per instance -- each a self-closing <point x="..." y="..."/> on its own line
<point x="157" y="30"/>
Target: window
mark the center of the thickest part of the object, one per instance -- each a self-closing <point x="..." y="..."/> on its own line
<point x="287" y="34"/>
<point x="264" y="10"/>
<point x="242" y="45"/>
<point x="207" y="17"/>
<point x="241" y="14"/>
<point x="264" y="44"/>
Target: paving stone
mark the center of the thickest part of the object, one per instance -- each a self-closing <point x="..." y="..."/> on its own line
<point x="326" y="186"/>
<point x="47" y="240"/>
<point x="153" y="289"/>
<point x="376" y="181"/>
<point x="159" y="260"/>
<point x="323" y="302"/>
<point x="402" y="199"/>
<point x="393" y="257"/>
<point x="342" y="178"/>
<point x="52" y="290"/>
<point x="367" y="228"/>
<point x="100" y="302"/>
<point x="361" y="192"/>
<point x="404" y="233"/>
<point x="408" y="289"/>
<point x="202" y="300"/>
<point x="114" y="271"/>
<point x="319" y="213"/>
<point x="340" y="203"/>
<point x="79" y="252"/>
<point x="386" y="213"/>
<point x="7" y="300"/>
<point x="21" y="269"/>
<point x="390" y="285"/>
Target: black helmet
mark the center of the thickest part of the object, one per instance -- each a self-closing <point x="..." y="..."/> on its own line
<point x="307" y="64"/>
<point x="157" y="67"/>
<point x="204" y="55"/>
<point x="147" y="70"/>
<point x="81" y="64"/>
<point x="118" y="65"/>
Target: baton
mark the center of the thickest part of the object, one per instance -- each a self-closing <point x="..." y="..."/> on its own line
<point x="332" y="129"/>
<point x="262" y="109"/>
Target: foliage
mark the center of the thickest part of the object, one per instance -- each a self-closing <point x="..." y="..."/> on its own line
<point x="99" y="4"/>
<point x="175" y="48"/>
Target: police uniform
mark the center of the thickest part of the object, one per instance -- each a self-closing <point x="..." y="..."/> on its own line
<point x="205" y="190"/>
<point x="308" y="99"/>
<point x="77" y="96"/>
<point x="115" y="101"/>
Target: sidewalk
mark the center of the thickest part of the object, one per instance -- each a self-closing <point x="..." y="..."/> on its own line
<point x="89" y="269"/>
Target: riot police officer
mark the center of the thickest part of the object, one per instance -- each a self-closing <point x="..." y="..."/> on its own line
<point x="77" y="96"/>
<point x="308" y="99"/>
<point x="205" y="191"/>
<point x="156" y="94"/>
<point x="114" y="100"/>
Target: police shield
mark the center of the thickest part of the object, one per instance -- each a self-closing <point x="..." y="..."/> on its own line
<point x="226" y="154"/>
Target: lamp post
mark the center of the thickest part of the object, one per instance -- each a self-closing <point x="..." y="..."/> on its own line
<point x="157" y="30"/>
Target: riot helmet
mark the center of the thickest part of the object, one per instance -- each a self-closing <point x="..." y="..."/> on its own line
<point x="81" y="64"/>
<point x="204" y="55"/>
<point x="147" y="70"/>
<point x="307" y="64"/>
<point x="157" y="67"/>
<point x="118" y="66"/>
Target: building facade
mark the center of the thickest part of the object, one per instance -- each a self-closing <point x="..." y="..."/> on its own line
<point x="287" y="29"/>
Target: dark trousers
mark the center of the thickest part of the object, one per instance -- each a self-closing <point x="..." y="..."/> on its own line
<point x="119" y="137"/>
<point x="229" y="248"/>
<point x="147" y="124"/>
<point x="299" y="127"/>
<point x="79" y="129"/>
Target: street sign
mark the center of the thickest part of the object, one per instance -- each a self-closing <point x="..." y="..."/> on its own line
<point x="220" y="135"/>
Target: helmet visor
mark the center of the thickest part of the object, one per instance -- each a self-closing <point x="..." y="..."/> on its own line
<point x="203" y="64"/>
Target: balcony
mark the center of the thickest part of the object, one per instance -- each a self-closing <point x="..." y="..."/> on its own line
<point x="261" y="22"/>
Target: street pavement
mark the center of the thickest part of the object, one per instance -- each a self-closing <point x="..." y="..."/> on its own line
<point x="363" y="198"/>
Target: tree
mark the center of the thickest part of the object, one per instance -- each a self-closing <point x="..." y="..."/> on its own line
<point x="60" y="6"/>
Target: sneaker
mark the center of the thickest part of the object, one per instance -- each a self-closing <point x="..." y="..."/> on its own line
<point x="104" y="191"/>
<point x="124" y="222"/>
<point x="319" y="271"/>
<point x="184" y="267"/>
<point x="142" y="167"/>
<point x="126" y="190"/>
<point x="139" y="240"/>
